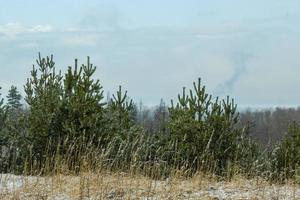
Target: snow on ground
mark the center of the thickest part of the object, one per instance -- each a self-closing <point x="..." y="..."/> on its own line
<point x="10" y="183"/>
<point x="107" y="186"/>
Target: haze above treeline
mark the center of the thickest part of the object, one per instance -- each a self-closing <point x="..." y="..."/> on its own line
<point x="247" y="50"/>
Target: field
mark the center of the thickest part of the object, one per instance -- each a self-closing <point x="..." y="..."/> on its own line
<point x="125" y="186"/>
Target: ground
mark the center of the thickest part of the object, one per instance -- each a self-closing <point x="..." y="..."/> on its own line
<point x="123" y="186"/>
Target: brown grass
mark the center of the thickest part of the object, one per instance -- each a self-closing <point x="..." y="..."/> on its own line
<point x="126" y="186"/>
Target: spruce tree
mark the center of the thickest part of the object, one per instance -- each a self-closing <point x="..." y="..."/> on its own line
<point x="2" y="112"/>
<point x="3" y="132"/>
<point x="16" y="129"/>
<point x="3" y="136"/>
<point x="14" y="98"/>
<point x="15" y="115"/>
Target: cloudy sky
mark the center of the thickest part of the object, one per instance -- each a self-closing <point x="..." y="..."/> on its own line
<point x="247" y="49"/>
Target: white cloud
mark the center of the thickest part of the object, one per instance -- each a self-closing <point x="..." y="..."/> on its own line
<point x="41" y="29"/>
<point x="13" y="29"/>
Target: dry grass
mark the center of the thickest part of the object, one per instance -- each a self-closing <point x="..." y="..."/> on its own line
<point x="97" y="174"/>
<point x="125" y="186"/>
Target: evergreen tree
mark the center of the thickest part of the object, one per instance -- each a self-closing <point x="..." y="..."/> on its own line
<point x="2" y="112"/>
<point x="16" y="128"/>
<point x="14" y="99"/>
<point x="121" y="113"/>
<point x="3" y="136"/>
<point x="203" y="131"/>
<point x="15" y="114"/>
<point x="61" y="108"/>
<point x="43" y="95"/>
<point x="3" y="132"/>
<point x="286" y="156"/>
<point x="82" y="107"/>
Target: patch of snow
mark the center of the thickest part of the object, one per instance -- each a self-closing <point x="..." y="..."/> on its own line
<point x="9" y="182"/>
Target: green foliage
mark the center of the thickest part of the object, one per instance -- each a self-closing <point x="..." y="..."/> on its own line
<point x="43" y="95"/>
<point x="286" y="157"/>
<point x="120" y="113"/>
<point x="203" y="131"/>
<point x="62" y="107"/>
<point x="15" y="128"/>
<point x="4" y="137"/>
<point x="121" y="130"/>
<point x="2" y="112"/>
<point x="3" y="132"/>
<point x="14" y="99"/>
<point x="82" y="108"/>
<point x="15" y="117"/>
<point x="68" y="120"/>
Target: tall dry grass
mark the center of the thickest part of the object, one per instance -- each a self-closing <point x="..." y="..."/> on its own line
<point x="135" y="168"/>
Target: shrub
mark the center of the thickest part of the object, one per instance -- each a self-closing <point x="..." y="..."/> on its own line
<point x="286" y="156"/>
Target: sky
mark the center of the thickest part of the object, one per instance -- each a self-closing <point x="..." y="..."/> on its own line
<point x="247" y="49"/>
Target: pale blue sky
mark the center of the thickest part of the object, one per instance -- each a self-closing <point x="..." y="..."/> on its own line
<point x="248" y="49"/>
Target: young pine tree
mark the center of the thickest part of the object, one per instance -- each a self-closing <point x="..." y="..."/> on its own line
<point x="286" y="157"/>
<point x="120" y="114"/>
<point x="203" y="131"/>
<point x="43" y="95"/>
<point x="82" y="106"/>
